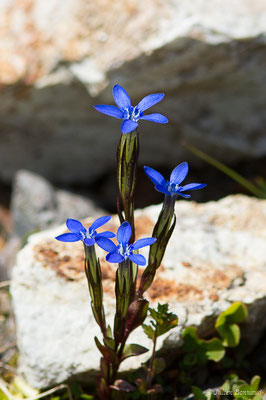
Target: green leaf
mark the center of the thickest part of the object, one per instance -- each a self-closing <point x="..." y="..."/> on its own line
<point x="234" y="314"/>
<point x="230" y="335"/>
<point x="191" y="341"/>
<point x="214" y="349"/>
<point x="133" y="349"/>
<point x="108" y="354"/>
<point x="226" y="387"/>
<point x="210" y="396"/>
<point x="226" y="323"/>
<point x="149" y="331"/>
<point x="241" y="390"/>
<point x="86" y="396"/>
<point x="109" y="342"/>
<point x="255" y="382"/>
<point x="162" y="321"/>
<point x="109" y="332"/>
<point x="200" y="350"/>
<point x="198" y="393"/>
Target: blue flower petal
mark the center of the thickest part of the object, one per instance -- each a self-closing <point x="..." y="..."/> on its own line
<point x="105" y="243"/>
<point x="106" y="234"/>
<point x="149" y="101"/>
<point x="159" y="118"/>
<point x="68" y="237"/>
<point x="114" y="258"/>
<point x="121" y="97"/>
<point x="154" y="176"/>
<point x="89" y="241"/>
<point x="110" y="110"/>
<point x="99" y="222"/>
<point x="179" y="173"/>
<point x="162" y="189"/>
<point x="124" y="233"/>
<point x="137" y="259"/>
<point x="142" y="243"/>
<point x="75" y="226"/>
<point x="186" y="196"/>
<point x="193" y="186"/>
<point x="128" y="126"/>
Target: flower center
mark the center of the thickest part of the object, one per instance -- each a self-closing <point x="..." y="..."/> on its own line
<point x="89" y="234"/>
<point x="173" y="188"/>
<point x="124" y="250"/>
<point x="132" y="113"/>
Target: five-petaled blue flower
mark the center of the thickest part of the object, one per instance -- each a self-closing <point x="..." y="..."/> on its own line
<point x="124" y="250"/>
<point x="173" y="187"/>
<point x="88" y="236"/>
<point x="131" y="115"/>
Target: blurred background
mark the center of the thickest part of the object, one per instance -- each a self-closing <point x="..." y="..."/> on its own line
<point x="59" y="58"/>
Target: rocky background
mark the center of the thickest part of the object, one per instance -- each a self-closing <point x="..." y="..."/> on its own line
<point x="59" y="58"/>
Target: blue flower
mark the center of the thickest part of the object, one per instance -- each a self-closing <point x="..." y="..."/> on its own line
<point x="124" y="250"/>
<point x="88" y="236"/>
<point x="131" y="115"/>
<point x="173" y="187"/>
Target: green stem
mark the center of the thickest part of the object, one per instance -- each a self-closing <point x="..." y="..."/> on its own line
<point x="94" y="278"/>
<point x="127" y="162"/>
<point x="150" y="370"/>
<point x="162" y="232"/>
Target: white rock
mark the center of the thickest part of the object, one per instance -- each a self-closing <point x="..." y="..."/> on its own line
<point x="216" y="256"/>
<point x="209" y="60"/>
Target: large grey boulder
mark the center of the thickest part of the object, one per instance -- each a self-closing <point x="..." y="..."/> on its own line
<point x="216" y="256"/>
<point x="37" y="205"/>
<point x="58" y="59"/>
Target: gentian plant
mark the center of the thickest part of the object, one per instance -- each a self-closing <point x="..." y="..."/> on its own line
<point x="131" y="306"/>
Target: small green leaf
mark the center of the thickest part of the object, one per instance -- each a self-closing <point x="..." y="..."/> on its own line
<point x="234" y="314"/>
<point x="133" y="349"/>
<point x="198" y="393"/>
<point x="149" y="331"/>
<point x="230" y="335"/>
<point x="214" y="349"/>
<point x="109" y="342"/>
<point x="109" y="332"/>
<point x="226" y="387"/>
<point x="255" y="382"/>
<point x="241" y="390"/>
<point x="108" y="354"/>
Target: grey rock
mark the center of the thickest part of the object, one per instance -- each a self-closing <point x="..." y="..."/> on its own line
<point x="209" y="64"/>
<point x="216" y="256"/>
<point x="36" y="204"/>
